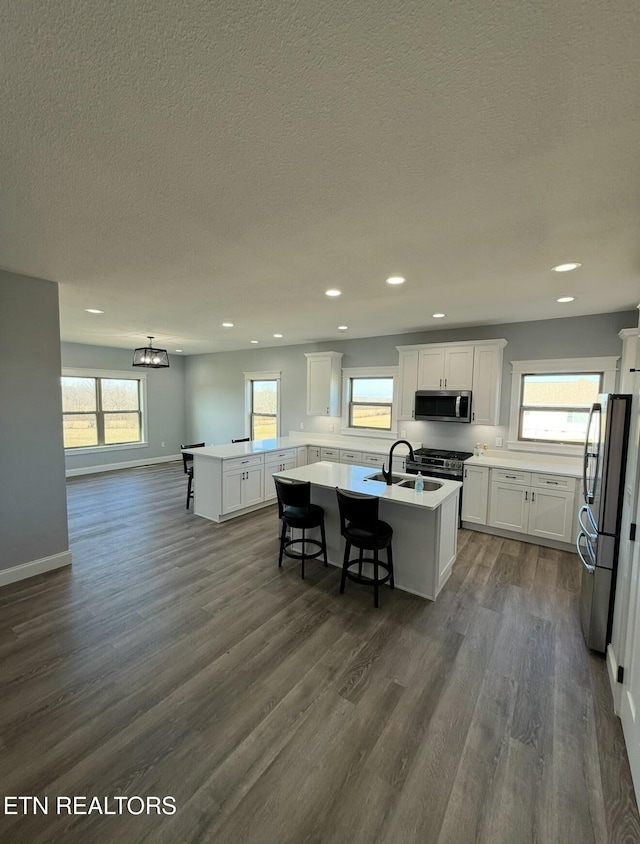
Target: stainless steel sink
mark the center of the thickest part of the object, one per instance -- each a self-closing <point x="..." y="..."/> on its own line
<point x="429" y="486"/>
<point x="380" y="477"/>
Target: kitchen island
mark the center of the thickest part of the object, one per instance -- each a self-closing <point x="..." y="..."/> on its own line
<point x="425" y="524"/>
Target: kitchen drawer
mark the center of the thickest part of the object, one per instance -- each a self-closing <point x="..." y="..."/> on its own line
<point x="331" y="454"/>
<point x="510" y="476"/>
<point x="247" y="462"/>
<point x="280" y="456"/>
<point x="350" y="456"/>
<point x="561" y="482"/>
<point x="369" y="459"/>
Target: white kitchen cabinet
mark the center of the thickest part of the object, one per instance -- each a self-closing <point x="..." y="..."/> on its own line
<point x="475" y="494"/>
<point x="487" y="380"/>
<point x="445" y="368"/>
<point x="537" y="504"/>
<point x="242" y="482"/>
<point x="407" y="382"/>
<point x="277" y="461"/>
<point x="314" y="454"/>
<point x="324" y="379"/>
<point x="369" y="459"/>
<point x="301" y="455"/>
<point x="330" y="454"/>
<point x="353" y="457"/>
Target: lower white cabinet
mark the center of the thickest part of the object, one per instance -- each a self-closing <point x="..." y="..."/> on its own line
<point x="475" y="494"/>
<point x="369" y="459"/>
<point x="301" y="455"/>
<point x="332" y="455"/>
<point x="242" y="482"/>
<point x="314" y="454"/>
<point x="277" y="461"/>
<point x="353" y="457"/>
<point x="537" y="504"/>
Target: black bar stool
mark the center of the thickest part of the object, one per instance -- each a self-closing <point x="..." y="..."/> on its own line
<point x="296" y="511"/>
<point x="361" y="527"/>
<point x="187" y="463"/>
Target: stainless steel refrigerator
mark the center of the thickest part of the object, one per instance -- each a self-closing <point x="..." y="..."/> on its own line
<point x="600" y="517"/>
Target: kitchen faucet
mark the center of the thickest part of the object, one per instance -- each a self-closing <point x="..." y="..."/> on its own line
<point x="388" y="474"/>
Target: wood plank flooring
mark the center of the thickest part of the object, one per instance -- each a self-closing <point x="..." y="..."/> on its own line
<point x="176" y="659"/>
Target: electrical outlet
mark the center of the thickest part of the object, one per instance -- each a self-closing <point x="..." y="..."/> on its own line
<point x="331" y="428"/>
<point x="161" y="445"/>
<point x="403" y="432"/>
<point x="498" y="442"/>
<point x="302" y="426"/>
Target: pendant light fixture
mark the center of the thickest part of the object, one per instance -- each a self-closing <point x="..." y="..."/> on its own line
<point x="150" y="357"/>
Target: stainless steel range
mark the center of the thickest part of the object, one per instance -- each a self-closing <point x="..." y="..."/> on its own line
<point x="437" y="463"/>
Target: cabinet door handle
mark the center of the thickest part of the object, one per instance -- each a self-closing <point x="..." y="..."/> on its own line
<point x="533" y="496"/>
<point x="473" y="416"/>
<point x="512" y="477"/>
<point x="441" y="383"/>
<point x="327" y="411"/>
<point x="465" y="473"/>
<point x="555" y="483"/>
<point x="445" y="382"/>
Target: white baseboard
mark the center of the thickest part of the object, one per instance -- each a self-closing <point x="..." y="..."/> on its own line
<point x="129" y="464"/>
<point x="34" y="567"/>
<point x="612" y="671"/>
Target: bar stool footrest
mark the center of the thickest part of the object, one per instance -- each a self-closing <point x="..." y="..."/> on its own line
<point x="296" y="555"/>
<point x="362" y="578"/>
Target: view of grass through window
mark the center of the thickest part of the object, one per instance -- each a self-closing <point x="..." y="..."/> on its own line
<point x="555" y="407"/>
<point x="371" y="402"/>
<point x="100" y="411"/>
<point x="264" y="410"/>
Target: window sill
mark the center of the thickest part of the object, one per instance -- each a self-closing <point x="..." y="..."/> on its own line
<point x="96" y="449"/>
<point x="547" y="448"/>
<point x="369" y="432"/>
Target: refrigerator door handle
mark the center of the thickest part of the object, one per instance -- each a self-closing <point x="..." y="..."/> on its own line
<point x="593" y="533"/>
<point x="588" y="566"/>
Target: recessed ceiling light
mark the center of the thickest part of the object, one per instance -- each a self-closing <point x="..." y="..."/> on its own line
<point x="93" y="311"/>
<point x="178" y="350"/>
<point x="438" y="316"/>
<point x="227" y="325"/>
<point x="566" y="299"/>
<point x="278" y="336"/>
<point x="396" y="279"/>
<point x="254" y="341"/>
<point x="565" y="268"/>
<point x="343" y="328"/>
<point x="332" y="292"/>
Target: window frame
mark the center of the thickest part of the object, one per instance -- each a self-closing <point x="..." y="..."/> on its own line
<point x="369" y="372"/>
<point x="605" y="366"/>
<point x="249" y="378"/>
<point x="106" y="374"/>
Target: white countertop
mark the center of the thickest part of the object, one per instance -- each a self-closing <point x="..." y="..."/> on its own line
<point x="369" y="444"/>
<point x="525" y="462"/>
<point x="352" y="478"/>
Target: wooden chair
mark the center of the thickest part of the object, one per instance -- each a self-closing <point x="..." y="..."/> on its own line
<point x="187" y="462"/>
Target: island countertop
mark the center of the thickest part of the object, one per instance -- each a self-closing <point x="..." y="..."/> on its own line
<point x="243" y="449"/>
<point x="352" y="479"/>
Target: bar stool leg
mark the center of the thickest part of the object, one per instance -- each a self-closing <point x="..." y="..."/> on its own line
<point x="283" y="537"/>
<point x="343" y="579"/>
<point x="303" y="546"/>
<point x="392" y="582"/>
<point x="189" y="484"/>
<point x="324" y="544"/>
<point x="375" y="578"/>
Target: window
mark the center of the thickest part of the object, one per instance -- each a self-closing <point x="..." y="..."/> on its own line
<point x="368" y="396"/>
<point x="263" y="404"/>
<point x="551" y="399"/>
<point x="100" y="411"/>
<point x="555" y="408"/>
<point x="371" y="403"/>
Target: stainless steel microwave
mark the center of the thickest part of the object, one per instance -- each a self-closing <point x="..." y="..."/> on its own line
<point x="443" y="405"/>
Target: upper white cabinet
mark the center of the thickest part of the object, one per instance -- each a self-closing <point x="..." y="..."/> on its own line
<point x="324" y="378"/>
<point x="473" y="365"/>
<point x="445" y="368"/>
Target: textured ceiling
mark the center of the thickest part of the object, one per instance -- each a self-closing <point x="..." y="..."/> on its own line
<point x="178" y="164"/>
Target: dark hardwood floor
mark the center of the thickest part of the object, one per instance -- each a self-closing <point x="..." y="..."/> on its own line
<point x="176" y="659"/>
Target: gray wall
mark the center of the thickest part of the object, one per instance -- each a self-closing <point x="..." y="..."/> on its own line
<point x="33" y="502"/>
<point x="214" y="384"/>
<point x="165" y="404"/>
